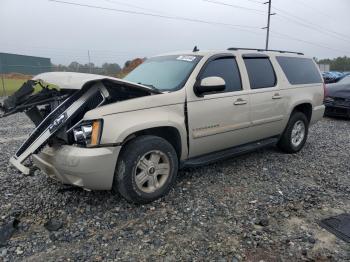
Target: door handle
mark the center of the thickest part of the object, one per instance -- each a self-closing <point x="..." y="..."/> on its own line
<point x="240" y="101"/>
<point x="276" y="96"/>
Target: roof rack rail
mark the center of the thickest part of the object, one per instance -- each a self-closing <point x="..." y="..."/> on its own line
<point x="261" y="50"/>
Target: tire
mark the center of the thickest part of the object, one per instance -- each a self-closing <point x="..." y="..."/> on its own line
<point x="286" y="141"/>
<point x="138" y="175"/>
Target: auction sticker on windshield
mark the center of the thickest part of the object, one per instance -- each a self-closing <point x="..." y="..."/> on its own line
<point x="187" y="58"/>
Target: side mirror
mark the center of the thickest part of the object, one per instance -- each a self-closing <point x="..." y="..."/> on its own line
<point x="210" y="84"/>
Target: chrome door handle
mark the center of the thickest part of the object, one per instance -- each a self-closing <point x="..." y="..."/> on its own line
<point x="276" y="96"/>
<point x="240" y="101"/>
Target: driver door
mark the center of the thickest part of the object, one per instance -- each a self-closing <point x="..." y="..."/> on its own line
<point x="218" y="120"/>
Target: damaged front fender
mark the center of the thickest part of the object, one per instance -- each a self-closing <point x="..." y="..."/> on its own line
<point x="55" y="112"/>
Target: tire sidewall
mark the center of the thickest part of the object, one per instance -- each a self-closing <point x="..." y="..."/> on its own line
<point x="131" y="156"/>
<point x="296" y="117"/>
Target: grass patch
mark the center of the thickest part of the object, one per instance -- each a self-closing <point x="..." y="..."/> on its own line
<point x="12" y="85"/>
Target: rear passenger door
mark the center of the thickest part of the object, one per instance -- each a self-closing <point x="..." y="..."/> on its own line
<point x="267" y="106"/>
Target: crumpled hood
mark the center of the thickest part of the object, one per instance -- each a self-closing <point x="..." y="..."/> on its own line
<point x="339" y="90"/>
<point x="73" y="80"/>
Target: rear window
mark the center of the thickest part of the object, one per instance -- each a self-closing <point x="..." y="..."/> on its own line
<point x="299" y="70"/>
<point x="260" y="72"/>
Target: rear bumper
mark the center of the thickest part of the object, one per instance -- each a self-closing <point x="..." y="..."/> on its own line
<point x="337" y="111"/>
<point x="317" y="114"/>
<point x="90" y="168"/>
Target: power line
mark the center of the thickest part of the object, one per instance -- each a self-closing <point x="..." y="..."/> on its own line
<point x="284" y="36"/>
<point x="198" y="20"/>
<point x="269" y="14"/>
<point x="134" y="6"/>
<point x="154" y="15"/>
<point x="312" y="28"/>
<point x="313" y="8"/>
<point x="310" y="23"/>
<point x="253" y="1"/>
<point x="288" y="16"/>
<point x="235" y="6"/>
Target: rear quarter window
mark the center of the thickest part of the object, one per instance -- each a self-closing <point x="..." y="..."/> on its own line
<point x="299" y="70"/>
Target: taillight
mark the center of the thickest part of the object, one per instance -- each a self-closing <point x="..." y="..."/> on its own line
<point x="324" y="91"/>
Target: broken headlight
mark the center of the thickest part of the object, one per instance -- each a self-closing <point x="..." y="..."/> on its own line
<point x="88" y="133"/>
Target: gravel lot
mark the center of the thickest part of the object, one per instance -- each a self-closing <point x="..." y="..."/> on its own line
<point x="260" y="206"/>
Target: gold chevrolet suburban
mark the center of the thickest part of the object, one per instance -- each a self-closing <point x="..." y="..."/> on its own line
<point x="175" y="110"/>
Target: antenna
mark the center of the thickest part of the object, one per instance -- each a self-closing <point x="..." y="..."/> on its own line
<point x="195" y="49"/>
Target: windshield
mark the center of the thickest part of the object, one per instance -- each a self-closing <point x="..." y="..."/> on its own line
<point x="165" y="73"/>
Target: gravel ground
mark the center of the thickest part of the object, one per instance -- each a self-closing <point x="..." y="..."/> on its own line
<point x="260" y="206"/>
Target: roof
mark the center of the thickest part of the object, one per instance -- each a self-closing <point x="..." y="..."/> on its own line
<point x="26" y="56"/>
<point x="235" y="51"/>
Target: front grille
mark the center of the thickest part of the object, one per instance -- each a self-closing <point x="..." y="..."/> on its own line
<point x="336" y="111"/>
<point x="339" y="101"/>
<point x="94" y="100"/>
<point x="46" y="123"/>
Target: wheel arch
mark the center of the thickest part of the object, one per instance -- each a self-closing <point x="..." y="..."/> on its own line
<point x="169" y="133"/>
<point x="305" y="108"/>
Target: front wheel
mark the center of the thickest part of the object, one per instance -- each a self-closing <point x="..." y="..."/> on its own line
<point x="146" y="169"/>
<point x="294" y="136"/>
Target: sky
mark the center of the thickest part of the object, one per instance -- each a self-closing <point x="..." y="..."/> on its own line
<point x="66" y="33"/>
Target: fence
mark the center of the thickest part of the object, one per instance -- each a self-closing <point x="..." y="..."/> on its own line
<point x="324" y="67"/>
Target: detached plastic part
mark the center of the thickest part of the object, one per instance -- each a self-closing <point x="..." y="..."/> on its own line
<point x="7" y="230"/>
<point x="338" y="225"/>
<point x="17" y="164"/>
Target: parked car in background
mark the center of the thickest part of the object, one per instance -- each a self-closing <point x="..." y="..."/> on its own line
<point x="174" y="110"/>
<point x="337" y="100"/>
<point x="333" y="76"/>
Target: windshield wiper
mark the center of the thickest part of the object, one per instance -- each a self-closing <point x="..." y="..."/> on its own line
<point x="149" y="85"/>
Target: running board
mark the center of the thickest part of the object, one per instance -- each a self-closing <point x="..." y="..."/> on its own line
<point x="228" y="153"/>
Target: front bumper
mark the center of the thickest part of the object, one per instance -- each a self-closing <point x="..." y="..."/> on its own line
<point x="90" y="168"/>
<point x="337" y="110"/>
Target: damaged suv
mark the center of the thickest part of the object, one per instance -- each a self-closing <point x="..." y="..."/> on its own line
<point x="173" y="111"/>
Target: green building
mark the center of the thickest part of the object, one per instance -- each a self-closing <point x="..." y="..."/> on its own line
<point x="28" y="65"/>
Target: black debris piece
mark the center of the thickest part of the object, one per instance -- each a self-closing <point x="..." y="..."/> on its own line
<point x="7" y="230"/>
<point x="264" y="222"/>
<point x="338" y="225"/>
<point x="70" y="189"/>
<point x="19" y="96"/>
<point x="53" y="224"/>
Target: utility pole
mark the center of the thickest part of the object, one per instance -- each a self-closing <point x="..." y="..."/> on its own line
<point x="269" y="14"/>
<point x="89" y="62"/>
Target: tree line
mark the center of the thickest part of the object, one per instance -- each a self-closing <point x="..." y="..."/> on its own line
<point x="105" y="69"/>
<point x="336" y="64"/>
<point x="110" y="69"/>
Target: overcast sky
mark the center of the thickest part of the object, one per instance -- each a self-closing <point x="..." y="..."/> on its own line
<point x="65" y="33"/>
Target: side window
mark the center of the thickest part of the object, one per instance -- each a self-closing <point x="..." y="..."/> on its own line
<point x="299" y="70"/>
<point x="260" y="72"/>
<point x="227" y="69"/>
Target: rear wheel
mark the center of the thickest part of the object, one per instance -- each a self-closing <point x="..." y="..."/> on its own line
<point x="146" y="169"/>
<point x="294" y="136"/>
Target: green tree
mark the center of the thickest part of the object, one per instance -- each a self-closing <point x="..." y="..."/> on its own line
<point x="111" y="69"/>
<point x="337" y="64"/>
